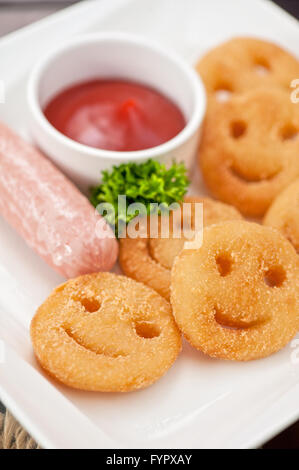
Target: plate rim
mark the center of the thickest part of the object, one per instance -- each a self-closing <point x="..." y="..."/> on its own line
<point x="11" y="403"/>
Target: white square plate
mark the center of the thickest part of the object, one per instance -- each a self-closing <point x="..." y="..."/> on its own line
<point x="201" y="402"/>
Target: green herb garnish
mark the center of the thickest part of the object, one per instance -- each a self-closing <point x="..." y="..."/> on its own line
<point x="146" y="183"/>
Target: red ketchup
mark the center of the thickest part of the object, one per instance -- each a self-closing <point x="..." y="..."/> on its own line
<point x="115" y="115"/>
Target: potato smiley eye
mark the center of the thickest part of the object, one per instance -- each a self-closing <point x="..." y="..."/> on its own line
<point x="90" y="305"/>
<point x="238" y="129"/>
<point x="262" y="66"/>
<point x="275" y="277"/>
<point x="224" y="264"/>
<point x="289" y="132"/>
<point x="223" y="92"/>
<point x="147" y="330"/>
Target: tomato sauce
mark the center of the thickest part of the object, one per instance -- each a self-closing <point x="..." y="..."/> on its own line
<point x="115" y="115"/>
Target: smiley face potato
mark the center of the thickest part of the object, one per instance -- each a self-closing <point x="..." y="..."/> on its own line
<point x="103" y="332"/>
<point x="249" y="149"/>
<point x="237" y="297"/>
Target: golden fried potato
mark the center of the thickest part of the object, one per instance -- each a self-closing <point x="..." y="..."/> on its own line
<point x="104" y="332"/>
<point x="237" y="297"/>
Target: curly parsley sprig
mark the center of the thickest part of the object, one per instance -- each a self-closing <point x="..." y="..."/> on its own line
<point x="146" y="183"/>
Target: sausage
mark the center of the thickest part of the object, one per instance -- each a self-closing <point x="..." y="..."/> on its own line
<point x="50" y="213"/>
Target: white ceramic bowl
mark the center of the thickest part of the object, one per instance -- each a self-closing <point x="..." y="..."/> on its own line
<point x="113" y="55"/>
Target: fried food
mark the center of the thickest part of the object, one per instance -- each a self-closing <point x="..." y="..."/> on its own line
<point x="149" y="260"/>
<point x="284" y="214"/>
<point x="249" y="149"/>
<point x="242" y="64"/>
<point x="104" y="332"/>
<point x="237" y="297"/>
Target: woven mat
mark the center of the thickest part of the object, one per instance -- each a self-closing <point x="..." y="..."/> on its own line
<point x="12" y="435"/>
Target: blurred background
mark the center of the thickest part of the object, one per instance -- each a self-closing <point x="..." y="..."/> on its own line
<point x="15" y="14"/>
